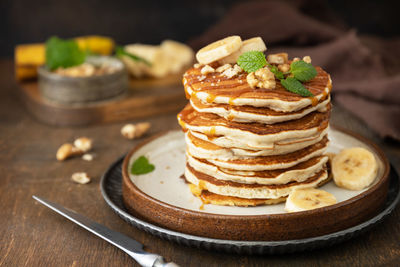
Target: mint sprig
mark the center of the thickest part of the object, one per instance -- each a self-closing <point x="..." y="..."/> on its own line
<point x="120" y="52"/>
<point x="300" y="71"/>
<point x="303" y="71"/>
<point x="142" y="166"/>
<point x="278" y="74"/>
<point x="252" y="61"/>
<point x="293" y="85"/>
<point x="63" y="53"/>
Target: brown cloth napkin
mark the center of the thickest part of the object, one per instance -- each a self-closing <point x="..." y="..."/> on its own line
<point x="361" y="82"/>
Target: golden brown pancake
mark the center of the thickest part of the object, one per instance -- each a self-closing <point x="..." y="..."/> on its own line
<point x="250" y="191"/>
<point x="189" y="117"/>
<point x="222" y="147"/>
<point x="204" y="177"/>
<point x="208" y="197"/>
<point x="269" y="160"/>
<point x="217" y="85"/>
<point x="299" y="172"/>
<point x="253" y="146"/>
<point x="249" y="109"/>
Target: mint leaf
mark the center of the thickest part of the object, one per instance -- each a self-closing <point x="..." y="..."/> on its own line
<point x="141" y="166"/>
<point x="252" y="61"/>
<point x="119" y="52"/>
<point x="63" y="53"/>
<point x="303" y="71"/>
<point x="278" y="74"/>
<point x="293" y="85"/>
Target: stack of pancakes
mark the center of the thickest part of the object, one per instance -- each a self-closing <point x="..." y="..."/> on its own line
<point x="248" y="147"/>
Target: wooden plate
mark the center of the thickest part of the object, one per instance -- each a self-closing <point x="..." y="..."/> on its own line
<point x="162" y="198"/>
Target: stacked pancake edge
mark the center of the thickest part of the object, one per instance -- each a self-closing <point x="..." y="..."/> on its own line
<point x="249" y="147"/>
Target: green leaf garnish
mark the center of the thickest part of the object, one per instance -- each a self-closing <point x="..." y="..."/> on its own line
<point x="293" y="85"/>
<point x="300" y="71"/>
<point x="63" y="53"/>
<point x="278" y="74"/>
<point x="303" y="71"/>
<point x="252" y="61"/>
<point x="119" y="52"/>
<point x="141" y="166"/>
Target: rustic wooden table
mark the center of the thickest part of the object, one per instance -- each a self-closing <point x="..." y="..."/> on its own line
<point x="32" y="235"/>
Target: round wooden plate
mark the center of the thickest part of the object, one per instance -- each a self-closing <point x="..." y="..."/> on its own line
<point x="162" y="198"/>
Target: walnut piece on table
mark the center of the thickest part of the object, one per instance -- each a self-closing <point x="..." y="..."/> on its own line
<point x="80" y="178"/>
<point x="83" y="143"/>
<point x="132" y="131"/>
<point x="66" y="151"/>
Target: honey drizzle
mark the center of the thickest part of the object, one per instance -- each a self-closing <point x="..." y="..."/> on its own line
<point x="210" y="98"/>
<point x="204" y="201"/>
<point x="202" y="186"/>
<point x="187" y="95"/>
<point x="314" y="101"/>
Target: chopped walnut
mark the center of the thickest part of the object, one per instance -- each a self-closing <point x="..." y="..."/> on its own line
<point x="262" y="78"/>
<point x="284" y="67"/>
<point x="307" y="59"/>
<point x="223" y="68"/>
<point x="280" y="58"/>
<point x="83" y="143"/>
<point x="207" y="69"/>
<point x="232" y="71"/>
<point x="67" y="150"/>
<point x="132" y="131"/>
<point x="80" y="178"/>
<point x="88" y="157"/>
<point x="237" y="68"/>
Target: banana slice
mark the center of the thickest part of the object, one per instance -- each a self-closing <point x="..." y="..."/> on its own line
<point x="219" y="49"/>
<point x="354" y="168"/>
<point x="253" y="44"/>
<point x="307" y="199"/>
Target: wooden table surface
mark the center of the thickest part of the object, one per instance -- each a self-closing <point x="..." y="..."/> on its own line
<point x="32" y="235"/>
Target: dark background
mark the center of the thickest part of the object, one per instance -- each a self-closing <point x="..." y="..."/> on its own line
<point x="149" y="21"/>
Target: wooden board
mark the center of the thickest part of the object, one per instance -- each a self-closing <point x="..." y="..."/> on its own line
<point x="145" y="97"/>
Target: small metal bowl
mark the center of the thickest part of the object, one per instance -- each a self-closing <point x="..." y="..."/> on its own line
<point x="66" y="89"/>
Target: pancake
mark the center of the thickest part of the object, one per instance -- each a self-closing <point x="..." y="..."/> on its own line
<point x="254" y="134"/>
<point x="249" y="191"/>
<point x="297" y="173"/>
<point x="223" y="147"/>
<point x="253" y="114"/>
<point x="266" y="162"/>
<point x="217" y="88"/>
<point x="211" y="198"/>
<point x="252" y="146"/>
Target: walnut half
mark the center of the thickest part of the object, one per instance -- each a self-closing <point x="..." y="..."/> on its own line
<point x="132" y="131"/>
<point x="262" y="78"/>
<point x="66" y="151"/>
